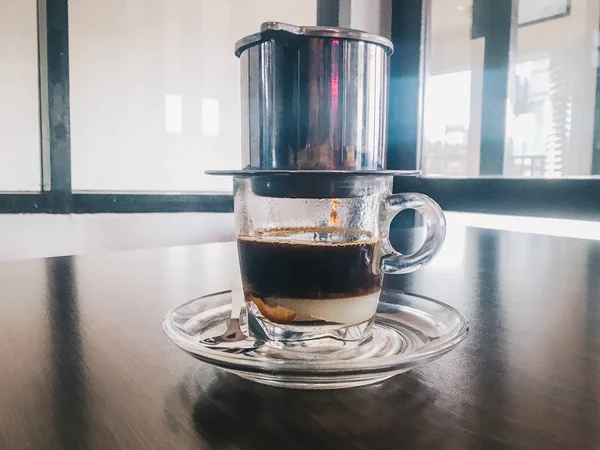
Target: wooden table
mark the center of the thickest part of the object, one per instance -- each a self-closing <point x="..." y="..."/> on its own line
<point x="85" y="364"/>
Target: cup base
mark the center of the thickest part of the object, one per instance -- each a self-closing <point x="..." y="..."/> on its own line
<point x="326" y="333"/>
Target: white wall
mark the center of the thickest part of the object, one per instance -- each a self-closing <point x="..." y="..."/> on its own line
<point x="20" y="162"/>
<point x="26" y="236"/>
<point x="373" y="16"/>
<point x="155" y="97"/>
<point x="127" y="56"/>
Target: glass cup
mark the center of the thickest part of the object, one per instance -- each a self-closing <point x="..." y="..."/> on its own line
<point x="313" y="249"/>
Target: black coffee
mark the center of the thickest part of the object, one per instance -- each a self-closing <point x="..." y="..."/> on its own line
<point x="305" y="263"/>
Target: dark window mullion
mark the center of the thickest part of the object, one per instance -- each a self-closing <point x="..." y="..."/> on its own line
<point x="498" y="25"/>
<point x="406" y="93"/>
<point x="53" y="51"/>
<point x="328" y="13"/>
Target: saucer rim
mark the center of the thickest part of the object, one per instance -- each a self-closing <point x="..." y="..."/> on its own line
<point x="379" y="365"/>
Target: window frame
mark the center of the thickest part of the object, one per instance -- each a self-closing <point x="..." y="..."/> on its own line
<point x="575" y="197"/>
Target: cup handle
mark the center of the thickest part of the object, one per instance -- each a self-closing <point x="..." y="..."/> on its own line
<point x="394" y="262"/>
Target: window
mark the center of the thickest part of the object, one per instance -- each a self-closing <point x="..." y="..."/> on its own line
<point x="20" y="156"/>
<point x="121" y="105"/>
<point x="513" y="98"/>
<point x="155" y="89"/>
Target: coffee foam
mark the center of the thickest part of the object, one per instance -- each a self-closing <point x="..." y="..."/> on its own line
<point x="278" y="235"/>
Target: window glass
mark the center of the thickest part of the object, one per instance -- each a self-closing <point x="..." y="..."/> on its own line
<point x="155" y="89"/>
<point x="551" y="98"/>
<point x="20" y="155"/>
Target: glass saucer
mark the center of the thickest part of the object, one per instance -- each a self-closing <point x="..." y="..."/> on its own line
<point x="409" y="330"/>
